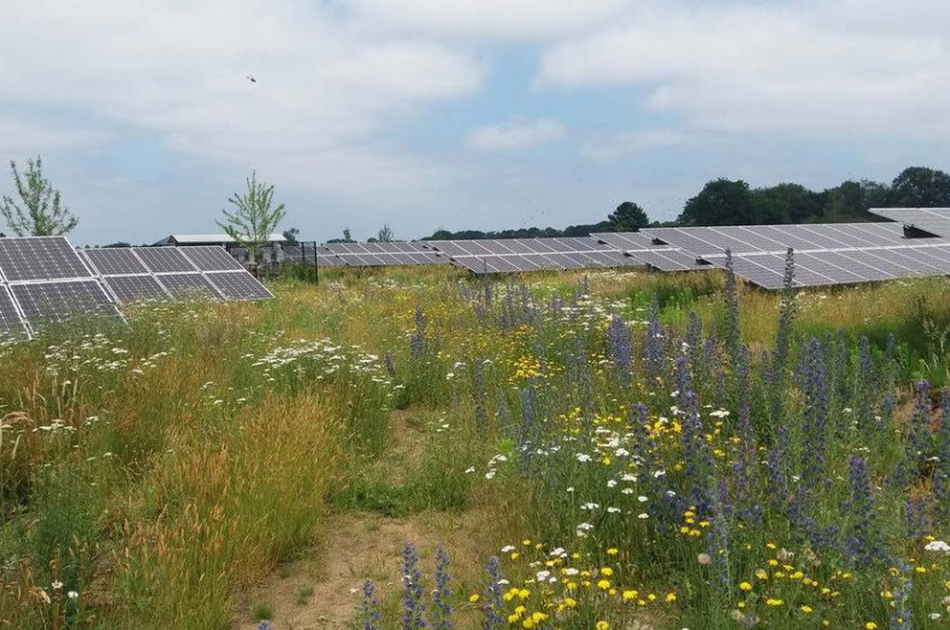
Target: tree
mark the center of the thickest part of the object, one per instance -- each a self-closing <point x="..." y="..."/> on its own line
<point x="385" y="234"/>
<point x="920" y="187"/>
<point x="628" y="217"/>
<point x="41" y="212"/>
<point x="720" y="202"/>
<point x="850" y="201"/>
<point x="291" y="235"/>
<point x="253" y="219"/>
<point x="346" y="236"/>
<point x="785" y="203"/>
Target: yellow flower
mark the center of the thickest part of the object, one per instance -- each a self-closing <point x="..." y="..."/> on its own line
<point x="570" y="602"/>
<point x="745" y="586"/>
<point x="805" y="609"/>
<point x="761" y="574"/>
<point x="473" y="598"/>
<point x="870" y="625"/>
<point x="670" y="597"/>
<point x="603" y="584"/>
<point x="773" y="602"/>
<point x="613" y="551"/>
<point x="607" y="571"/>
<point x="629" y="595"/>
<point x="602" y="625"/>
<point x="523" y="594"/>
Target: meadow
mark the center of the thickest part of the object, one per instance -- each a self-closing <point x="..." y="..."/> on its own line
<point x="618" y="449"/>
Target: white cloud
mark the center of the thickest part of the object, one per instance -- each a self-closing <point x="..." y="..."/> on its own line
<point x="178" y="70"/>
<point x="631" y="143"/>
<point x="515" y="135"/>
<point x="802" y="67"/>
<point x="519" y="20"/>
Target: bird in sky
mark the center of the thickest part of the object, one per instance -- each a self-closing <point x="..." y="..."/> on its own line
<point x="251" y="78"/>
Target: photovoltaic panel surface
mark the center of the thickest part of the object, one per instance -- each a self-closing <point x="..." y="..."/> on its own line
<point x="53" y="302"/>
<point x="383" y="254"/>
<point x="10" y="323"/>
<point x="114" y="261"/>
<point x="933" y="220"/>
<point x="211" y="258"/>
<point x="641" y="248"/>
<point x="239" y="286"/>
<point x="188" y="286"/>
<point x="40" y="258"/>
<point x="164" y="259"/>
<point x="142" y="288"/>
<point x="530" y="254"/>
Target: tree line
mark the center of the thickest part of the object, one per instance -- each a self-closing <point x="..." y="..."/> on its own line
<point x="734" y="202"/>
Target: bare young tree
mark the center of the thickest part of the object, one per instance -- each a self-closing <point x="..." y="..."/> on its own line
<point x="253" y="219"/>
<point x="40" y="211"/>
<point x="385" y="234"/>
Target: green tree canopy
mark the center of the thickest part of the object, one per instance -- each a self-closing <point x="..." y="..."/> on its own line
<point x="786" y="203"/>
<point x="40" y="211"/>
<point x="254" y="217"/>
<point x="920" y="187"/>
<point x="720" y="202"/>
<point x="628" y="217"/>
<point x="385" y="234"/>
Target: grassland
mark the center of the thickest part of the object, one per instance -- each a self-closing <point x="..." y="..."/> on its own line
<point x="620" y="450"/>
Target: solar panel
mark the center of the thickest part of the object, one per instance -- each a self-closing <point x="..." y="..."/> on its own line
<point x="383" y="254"/>
<point x="641" y="249"/>
<point x="164" y="259"/>
<point x="135" y="288"/>
<point x="55" y="302"/>
<point x="239" y="286"/>
<point x="188" y="286"/>
<point x="10" y="322"/>
<point x="40" y="258"/>
<point x="115" y="261"/>
<point x="933" y="220"/>
<point x="211" y="258"/>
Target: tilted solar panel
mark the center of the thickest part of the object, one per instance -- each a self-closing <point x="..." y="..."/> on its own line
<point x="211" y="258"/>
<point x="114" y="261"/>
<point x="10" y="322"/>
<point x="933" y="220"/>
<point x="40" y="258"/>
<point x="239" y="286"/>
<point x="56" y="302"/>
<point x="188" y="286"/>
<point x="164" y="259"/>
<point x="143" y="288"/>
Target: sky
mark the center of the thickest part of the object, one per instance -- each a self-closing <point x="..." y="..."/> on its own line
<point x="460" y="114"/>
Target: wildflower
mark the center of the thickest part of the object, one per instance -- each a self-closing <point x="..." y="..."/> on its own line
<point x="602" y="625"/>
<point x="870" y="625"/>
<point x="670" y="597"/>
<point x="629" y="595"/>
<point x="473" y="598"/>
<point x="745" y="586"/>
<point x="412" y="618"/>
<point x="774" y="602"/>
<point x="369" y="608"/>
<point x="805" y="609"/>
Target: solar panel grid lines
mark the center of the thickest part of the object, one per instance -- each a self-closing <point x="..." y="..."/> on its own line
<point x="211" y="258"/>
<point x="114" y="261"/>
<point x="42" y="303"/>
<point x="11" y="320"/>
<point x="933" y="220"/>
<point x="188" y="286"/>
<point x="40" y="258"/>
<point x="238" y="285"/>
<point x="164" y="260"/>
<point x="138" y="288"/>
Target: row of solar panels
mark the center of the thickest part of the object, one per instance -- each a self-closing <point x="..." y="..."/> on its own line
<point x="44" y="279"/>
<point x="478" y="256"/>
<point x="826" y="254"/>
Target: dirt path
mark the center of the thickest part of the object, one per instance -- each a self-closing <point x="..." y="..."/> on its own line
<point x="320" y="591"/>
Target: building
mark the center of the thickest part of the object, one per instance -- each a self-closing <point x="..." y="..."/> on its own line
<point x="184" y="240"/>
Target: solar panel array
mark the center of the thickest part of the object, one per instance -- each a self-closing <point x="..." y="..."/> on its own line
<point x="642" y="249"/>
<point x="933" y="220"/>
<point x="824" y="254"/>
<point x="44" y="280"/>
<point x="136" y="274"/>
<point x="383" y="254"/>
<point x="530" y="254"/>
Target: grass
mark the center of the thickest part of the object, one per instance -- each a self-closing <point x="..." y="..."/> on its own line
<point x="159" y="472"/>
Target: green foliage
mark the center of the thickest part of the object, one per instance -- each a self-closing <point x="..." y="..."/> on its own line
<point x="920" y="187"/>
<point x="385" y="234"/>
<point x="40" y="211"/>
<point x="720" y="202"/>
<point x="254" y="217"/>
<point x="628" y="217"/>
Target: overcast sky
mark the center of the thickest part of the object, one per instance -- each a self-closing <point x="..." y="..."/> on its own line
<point x="459" y="113"/>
